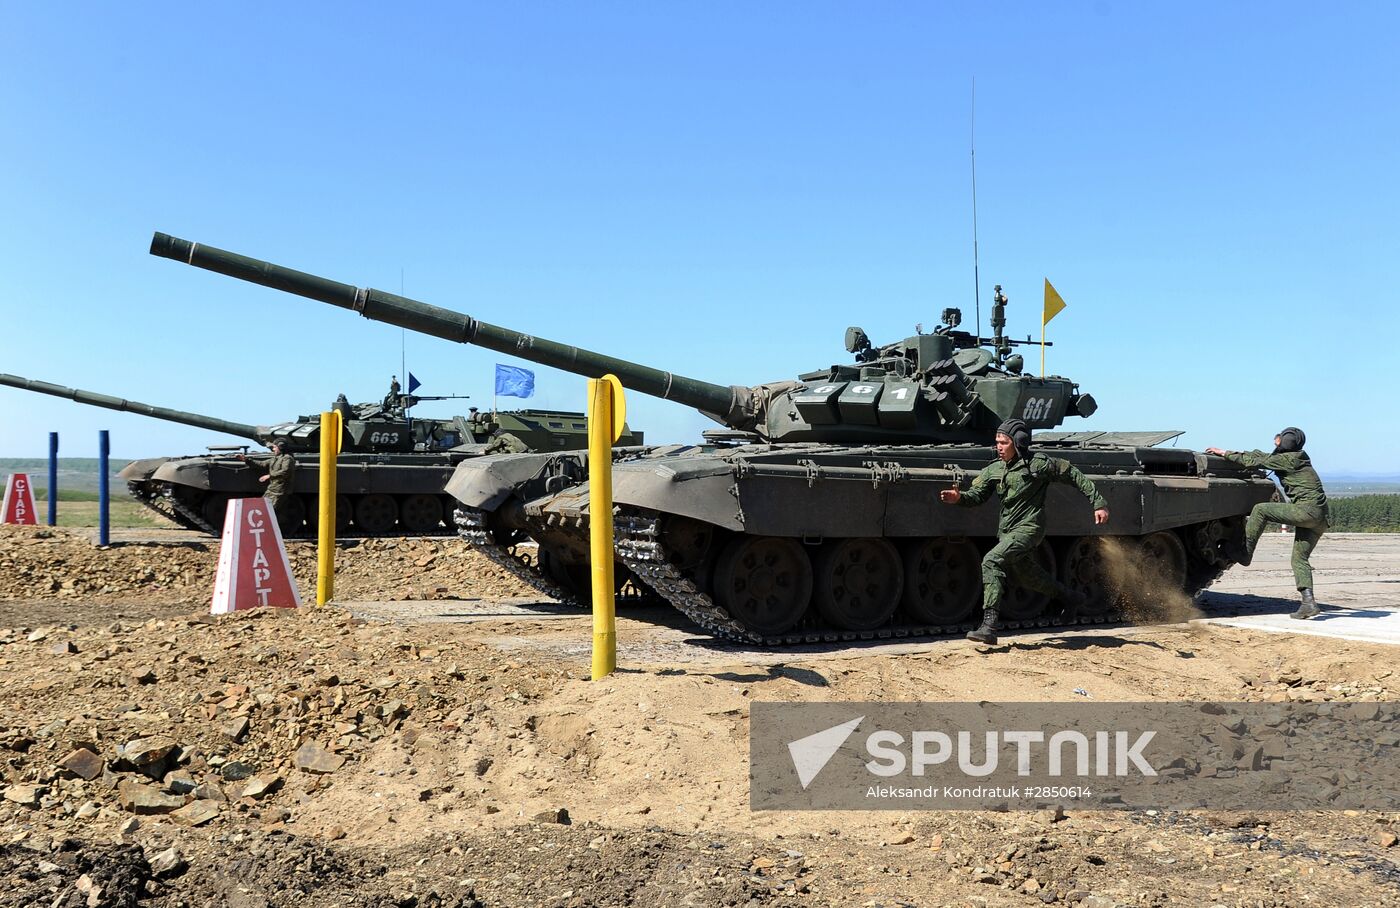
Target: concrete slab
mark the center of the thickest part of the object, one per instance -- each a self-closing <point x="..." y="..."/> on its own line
<point x="1356" y="578"/>
<point x="1367" y="625"/>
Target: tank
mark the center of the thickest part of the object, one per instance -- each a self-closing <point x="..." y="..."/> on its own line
<point x="391" y="470"/>
<point x="812" y="515"/>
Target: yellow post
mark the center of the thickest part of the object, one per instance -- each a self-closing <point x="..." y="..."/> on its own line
<point x="325" y="520"/>
<point x="603" y="430"/>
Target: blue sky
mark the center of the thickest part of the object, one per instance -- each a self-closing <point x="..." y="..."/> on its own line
<point x="718" y="189"/>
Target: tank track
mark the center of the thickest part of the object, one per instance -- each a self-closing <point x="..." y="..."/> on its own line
<point x="170" y="508"/>
<point x="639" y="548"/>
<point x="472" y="528"/>
<point x="188" y="517"/>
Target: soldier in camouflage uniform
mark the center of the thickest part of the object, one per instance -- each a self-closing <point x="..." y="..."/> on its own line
<point x="281" y="467"/>
<point x="505" y="443"/>
<point x="1021" y="480"/>
<point x="1305" y="510"/>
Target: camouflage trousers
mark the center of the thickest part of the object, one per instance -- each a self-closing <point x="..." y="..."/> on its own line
<point x="1308" y="524"/>
<point x="1014" y="554"/>
<point x="279" y="503"/>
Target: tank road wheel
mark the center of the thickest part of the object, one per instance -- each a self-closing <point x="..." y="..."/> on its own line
<point x="344" y="512"/>
<point x="572" y="577"/>
<point x="1083" y="569"/>
<point x="1161" y="578"/>
<point x="215" y="509"/>
<point x="687" y="542"/>
<point x="857" y="583"/>
<point x="421" y="513"/>
<point x="942" y="580"/>
<point x="765" y="582"/>
<point x="376" y="514"/>
<point x="1021" y="604"/>
<point x="292" y="520"/>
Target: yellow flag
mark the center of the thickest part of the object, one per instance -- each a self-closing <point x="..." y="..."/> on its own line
<point x="1053" y="303"/>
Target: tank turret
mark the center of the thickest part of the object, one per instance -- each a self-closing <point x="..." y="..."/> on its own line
<point x="943" y="386"/>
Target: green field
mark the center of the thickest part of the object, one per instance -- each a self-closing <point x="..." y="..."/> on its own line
<point x="78" y="508"/>
<point x="77" y="492"/>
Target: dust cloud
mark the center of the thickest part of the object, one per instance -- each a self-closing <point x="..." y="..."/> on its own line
<point x="1141" y="586"/>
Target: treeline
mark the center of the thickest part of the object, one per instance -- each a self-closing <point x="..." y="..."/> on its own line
<point x="1366" y="514"/>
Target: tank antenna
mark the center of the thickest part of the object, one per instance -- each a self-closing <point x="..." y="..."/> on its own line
<point x="976" y="275"/>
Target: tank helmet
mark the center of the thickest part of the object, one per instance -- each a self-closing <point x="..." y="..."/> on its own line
<point x="1020" y="435"/>
<point x="1290" y="439"/>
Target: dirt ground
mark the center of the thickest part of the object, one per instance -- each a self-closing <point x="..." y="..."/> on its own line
<point x="433" y="740"/>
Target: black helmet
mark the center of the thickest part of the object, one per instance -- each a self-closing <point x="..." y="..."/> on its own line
<point x="1290" y="439"/>
<point x="1020" y="436"/>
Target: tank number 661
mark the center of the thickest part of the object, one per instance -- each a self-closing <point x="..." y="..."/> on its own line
<point x="384" y="438"/>
<point x="1037" y="408"/>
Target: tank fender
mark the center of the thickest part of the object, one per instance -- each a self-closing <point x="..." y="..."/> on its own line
<point x="142" y="469"/>
<point x="700" y="494"/>
<point x="486" y="482"/>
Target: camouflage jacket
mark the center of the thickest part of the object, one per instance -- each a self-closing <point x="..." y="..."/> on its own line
<point x="280" y="469"/>
<point x="1294" y="470"/>
<point x="506" y="443"/>
<point x="1022" y="486"/>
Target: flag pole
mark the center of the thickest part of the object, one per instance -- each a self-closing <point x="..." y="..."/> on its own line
<point x="1042" y="345"/>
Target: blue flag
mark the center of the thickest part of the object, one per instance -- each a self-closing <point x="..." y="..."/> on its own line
<point x="413" y="383"/>
<point x="512" y="381"/>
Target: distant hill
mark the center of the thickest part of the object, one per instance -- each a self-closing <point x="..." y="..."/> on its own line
<point x="75" y="474"/>
<point x="1350" y="485"/>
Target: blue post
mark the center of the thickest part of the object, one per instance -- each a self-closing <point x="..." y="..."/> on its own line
<point x="104" y="448"/>
<point x="53" y="479"/>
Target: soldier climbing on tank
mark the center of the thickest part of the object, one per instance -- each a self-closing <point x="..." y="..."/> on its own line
<point x="1021" y="479"/>
<point x="281" y="467"/>
<point x="503" y="442"/>
<point x="1305" y="510"/>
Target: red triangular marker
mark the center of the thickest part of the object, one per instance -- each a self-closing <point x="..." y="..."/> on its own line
<point x="19" y="501"/>
<point x="253" y="568"/>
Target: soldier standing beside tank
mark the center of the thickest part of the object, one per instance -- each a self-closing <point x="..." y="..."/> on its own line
<point x="281" y="467"/>
<point x="503" y="442"/>
<point x="1021" y="479"/>
<point x="1305" y="510"/>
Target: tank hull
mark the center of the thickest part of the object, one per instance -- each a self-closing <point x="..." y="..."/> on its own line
<point x="378" y="494"/>
<point x="821" y="514"/>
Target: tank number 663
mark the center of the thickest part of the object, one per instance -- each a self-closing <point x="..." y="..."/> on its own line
<point x="1037" y="408"/>
<point x="384" y="438"/>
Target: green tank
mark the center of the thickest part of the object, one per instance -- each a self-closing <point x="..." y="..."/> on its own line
<point x="391" y="470"/>
<point x="813" y="514"/>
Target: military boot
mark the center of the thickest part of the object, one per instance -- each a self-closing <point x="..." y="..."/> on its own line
<point x="1239" y="553"/>
<point x="987" y="633"/>
<point x="1074" y="602"/>
<point x="1309" y="607"/>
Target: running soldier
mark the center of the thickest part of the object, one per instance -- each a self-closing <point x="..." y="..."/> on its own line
<point x="1021" y="479"/>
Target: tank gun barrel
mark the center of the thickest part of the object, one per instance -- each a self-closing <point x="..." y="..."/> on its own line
<point x="731" y="404"/>
<point x="92" y="398"/>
